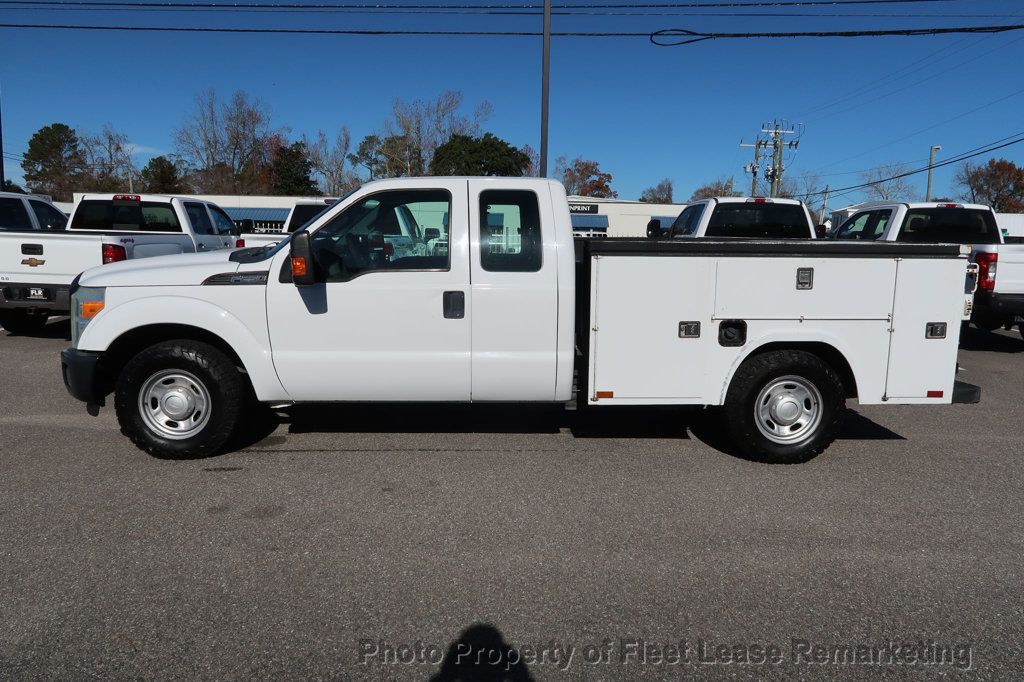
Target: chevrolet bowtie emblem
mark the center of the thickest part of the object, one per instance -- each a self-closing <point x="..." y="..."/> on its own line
<point x="32" y="262"/>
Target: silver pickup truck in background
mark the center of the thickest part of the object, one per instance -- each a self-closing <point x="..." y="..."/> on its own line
<point x="37" y="266"/>
<point x="29" y="212"/>
<point x="999" y="300"/>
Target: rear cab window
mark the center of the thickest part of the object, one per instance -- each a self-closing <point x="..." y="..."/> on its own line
<point x="13" y="215"/>
<point x="949" y="226"/>
<point x="759" y="221"/>
<point x="303" y="214"/>
<point x="510" y="239"/>
<point x="116" y="215"/>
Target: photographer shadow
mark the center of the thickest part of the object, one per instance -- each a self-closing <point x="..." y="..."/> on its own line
<point x="481" y="654"/>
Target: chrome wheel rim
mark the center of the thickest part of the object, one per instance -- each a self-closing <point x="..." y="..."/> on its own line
<point x="174" y="404"/>
<point x="788" y="410"/>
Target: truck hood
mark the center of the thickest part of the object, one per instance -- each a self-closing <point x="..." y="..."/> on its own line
<point x="182" y="269"/>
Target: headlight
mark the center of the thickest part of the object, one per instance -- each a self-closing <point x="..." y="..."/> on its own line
<point x="86" y="303"/>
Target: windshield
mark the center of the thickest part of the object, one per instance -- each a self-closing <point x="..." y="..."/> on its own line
<point x="759" y="221"/>
<point x="949" y="226"/>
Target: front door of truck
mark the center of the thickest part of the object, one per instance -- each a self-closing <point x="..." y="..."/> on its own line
<point x="379" y="324"/>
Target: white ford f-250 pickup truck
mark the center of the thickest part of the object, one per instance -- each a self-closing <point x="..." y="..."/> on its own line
<point x="771" y="330"/>
<point x="751" y="218"/>
<point x="999" y="300"/>
<point x="36" y="268"/>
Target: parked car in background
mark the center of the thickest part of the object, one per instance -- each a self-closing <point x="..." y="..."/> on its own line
<point x="37" y="266"/>
<point x="751" y="218"/>
<point x="501" y="309"/>
<point x="25" y="212"/>
<point x="999" y="300"/>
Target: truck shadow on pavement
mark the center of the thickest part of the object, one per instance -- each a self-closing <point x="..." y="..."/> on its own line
<point x="481" y="653"/>
<point x="705" y="425"/>
<point x="995" y="342"/>
<point x="59" y="328"/>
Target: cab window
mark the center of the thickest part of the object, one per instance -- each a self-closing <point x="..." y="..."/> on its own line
<point x="222" y="222"/>
<point x="687" y="222"/>
<point x="197" y="216"/>
<point x="855" y="227"/>
<point x="13" y="215"/>
<point x="396" y="230"/>
<point x="510" y="235"/>
<point x="49" y="218"/>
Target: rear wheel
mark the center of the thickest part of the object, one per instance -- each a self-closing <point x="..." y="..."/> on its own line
<point x="180" y="399"/>
<point x="22" y="322"/>
<point x="784" y="407"/>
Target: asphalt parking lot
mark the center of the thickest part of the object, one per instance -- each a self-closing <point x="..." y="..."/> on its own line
<point x="373" y="543"/>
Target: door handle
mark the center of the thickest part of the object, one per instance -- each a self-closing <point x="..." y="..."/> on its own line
<point x="454" y="305"/>
<point x="201" y="246"/>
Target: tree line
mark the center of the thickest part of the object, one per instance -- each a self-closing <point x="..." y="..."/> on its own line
<point x="232" y="146"/>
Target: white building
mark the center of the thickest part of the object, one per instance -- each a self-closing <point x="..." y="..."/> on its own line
<point x="617" y="217"/>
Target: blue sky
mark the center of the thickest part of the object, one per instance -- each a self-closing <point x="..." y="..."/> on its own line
<point x="643" y="112"/>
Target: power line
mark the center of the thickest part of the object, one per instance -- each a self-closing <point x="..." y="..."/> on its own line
<point x="956" y="159"/>
<point x="674" y="37"/>
<point x="692" y="36"/>
<point x="374" y="6"/>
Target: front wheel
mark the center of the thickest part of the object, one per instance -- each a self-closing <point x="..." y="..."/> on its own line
<point x="784" y="407"/>
<point x="180" y="399"/>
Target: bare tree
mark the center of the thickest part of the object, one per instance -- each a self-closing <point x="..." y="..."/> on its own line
<point x="884" y="184"/>
<point x="229" y="145"/>
<point x="533" y="170"/>
<point x="330" y="161"/>
<point x="659" y="194"/>
<point x="109" y="159"/>
<point x="425" y="126"/>
<point x="722" y="187"/>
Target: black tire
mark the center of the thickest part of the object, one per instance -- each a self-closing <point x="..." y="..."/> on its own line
<point x="792" y="377"/>
<point x="203" y="370"/>
<point x="21" y="322"/>
<point x="987" y="324"/>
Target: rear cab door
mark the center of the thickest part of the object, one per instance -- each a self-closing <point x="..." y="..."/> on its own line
<point x="515" y="286"/>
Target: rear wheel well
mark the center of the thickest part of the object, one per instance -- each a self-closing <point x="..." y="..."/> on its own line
<point x="829" y="354"/>
<point x="129" y="344"/>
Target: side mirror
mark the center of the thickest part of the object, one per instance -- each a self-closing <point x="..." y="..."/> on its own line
<point x="821" y="231"/>
<point x="654" y="229"/>
<point x="245" y="225"/>
<point x="301" y="259"/>
<point x="431" y="233"/>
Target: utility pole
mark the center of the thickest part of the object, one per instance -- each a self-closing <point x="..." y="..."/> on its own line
<point x="545" y="78"/>
<point x="2" y="178"/>
<point x="931" y="164"/>
<point x="777" y="139"/>
<point x="824" y="208"/>
<point x="754" y="168"/>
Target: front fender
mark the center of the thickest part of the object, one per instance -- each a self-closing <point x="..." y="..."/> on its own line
<point x="247" y="337"/>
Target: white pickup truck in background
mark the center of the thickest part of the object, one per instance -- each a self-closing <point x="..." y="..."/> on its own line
<point x="37" y="266"/>
<point x="999" y="300"/>
<point x="500" y="308"/>
<point x="752" y="218"/>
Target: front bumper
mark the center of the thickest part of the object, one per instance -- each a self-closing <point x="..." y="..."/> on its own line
<point x="993" y="304"/>
<point x="55" y="298"/>
<point x="80" y="376"/>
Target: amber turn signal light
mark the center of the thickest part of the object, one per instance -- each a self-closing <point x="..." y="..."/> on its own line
<point x="91" y="309"/>
<point x="298" y="267"/>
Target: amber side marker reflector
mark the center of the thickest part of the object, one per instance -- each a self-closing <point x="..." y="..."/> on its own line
<point x="91" y="309"/>
<point x="605" y="394"/>
<point x="298" y="267"/>
<point x="934" y="394"/>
